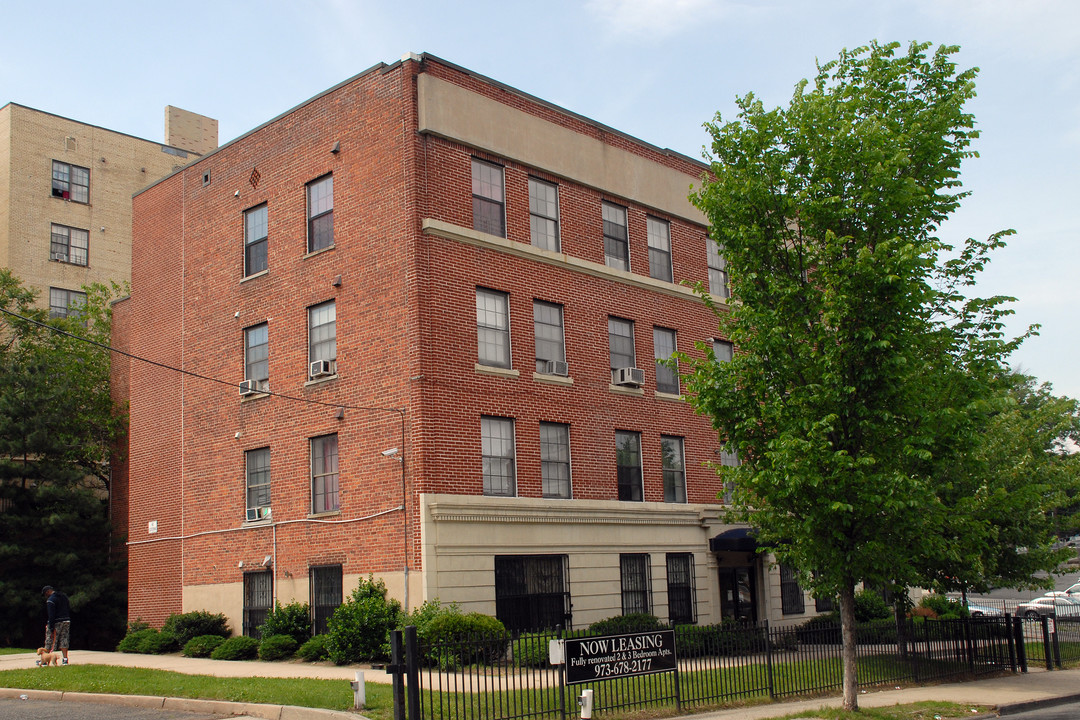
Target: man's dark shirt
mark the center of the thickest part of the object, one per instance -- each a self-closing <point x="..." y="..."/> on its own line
<point x="59" y="610"/>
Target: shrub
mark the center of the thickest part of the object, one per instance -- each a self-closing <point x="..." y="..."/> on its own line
<point x="822" y="629"/>
<point x="130" y="642"/>
<point x="622" y="624"/>
<point x="921" y="611"/>
<point x="869" y="606"/>
<point x="360" y="628"/>
<point x="422" y="616"/>
<point x="531" y="649"/>
<point x="293" y="620"/>
<point x="241" y="647"/>
<point x="157" y="643"/>
<point x="190" y="625"/>
<point x="137" y="624"/>
<point x="201" y="646"/>
<point x="457" y="639"/>
<point x="943" y="607"/>
<point x="277" y="647"/>
<point x="314" y="649"/>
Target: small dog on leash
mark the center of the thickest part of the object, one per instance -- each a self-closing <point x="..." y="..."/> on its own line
<point x="48" y="657"/>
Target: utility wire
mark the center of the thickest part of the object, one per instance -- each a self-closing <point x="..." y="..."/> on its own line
<point x="103" y="346"/>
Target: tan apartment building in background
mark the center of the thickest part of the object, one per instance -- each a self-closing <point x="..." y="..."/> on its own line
<point x="65" y="195"/>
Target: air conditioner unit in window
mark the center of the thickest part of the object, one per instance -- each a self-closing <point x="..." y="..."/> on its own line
<point x="556" y="367"/>
<point x="631" y="376"/>
<point x="59" y="256"/>
<point x="321" y="368"/>
<point x="249" y="387"/>
<point x="259" y="513"/>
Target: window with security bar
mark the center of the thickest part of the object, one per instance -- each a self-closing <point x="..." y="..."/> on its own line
<point x="636" y="583"/>
<point x="258" y="599"/>
<point x="326" y="595"/>
<point x="682" y="600"/>
<point x="532" y="592"/>
<point x="792" y="601"/>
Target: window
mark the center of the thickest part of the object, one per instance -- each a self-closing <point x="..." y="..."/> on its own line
<point x="555" y="460"/>
<point x="718" y="277"/>
<point x="791" y="595"/>
<point x="320" y="210"/>
<point x="492" y="328"/>
<point x="659" y="248"/>
<point x="324" y="474"/>
<point x="621" y="342"/>
<point x="628" y="465"/>
<point x="65" y="303"/>
<point x="824" y="605"/>
<point x="682" y="601"/>
<point x="70" y="182"/>
<point x="322" y="334"/>
<point x="723" y="350"/>
<point x="258" y="483"/>
<point x="636" y="583"/>
<point x="497" y="456"/>
<point x="616" y="241"/>
<point x="255" y="242"/>
<point x="544" y="214"/>
<point x="257" y="355"/>
<point x="671" y="453"/>
<point x="532" y="592"/>
<point x="487" y="198"/>
<point x="667" y="378"/>
<point x="729" y="459"/>
<point x="550" y="342"/>
<point x="70" y="245"/>
<point x="325" y="595"/>
<point x="258" y="599"/>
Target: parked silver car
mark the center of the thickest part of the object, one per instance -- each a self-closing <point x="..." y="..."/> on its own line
<point x="1050" y="606"/>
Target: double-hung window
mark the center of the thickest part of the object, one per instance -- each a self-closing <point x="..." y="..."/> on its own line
<point x="671" y="456"/>
<point x="621" y="343"/>
<point x="616" y="239"/>
<point x="628" y="465"/>
<point x="70" y="182"/>
<point x="718" y="277"/>
<point x="497" y="455"/>
<point x="555" y="460"/>
<point x="258" y="483"/>
<point x="492" y="328"/>
<point x="532" y="592"/>
<point x="723" y="351"/>
<point x="322" y="338"/>
<point x="659" y="248"/>
<point x="792" y="600"/>
<point x="325" y="594"/>
<point x="320" y="199"/>
<point x="324" y="474"/>
<point x="544" y="214"/>
<point x="667" y="377"/>
<point x="256" y="225"/>
<point x="65" y="303"/>
<point x="550" y="340"/>
<point x="682" y="601"/>
<point x="636" y="583"/>
<point x="729" y="459"/>
<point x="70" y="245"/>
<point x="489" y="211"/>
<point x="257" y="355"/>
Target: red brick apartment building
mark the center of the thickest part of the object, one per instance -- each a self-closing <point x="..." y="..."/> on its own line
<point x="443" y="301"/>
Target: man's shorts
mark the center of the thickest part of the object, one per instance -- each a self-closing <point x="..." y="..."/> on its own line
<point x="63" y="636"/>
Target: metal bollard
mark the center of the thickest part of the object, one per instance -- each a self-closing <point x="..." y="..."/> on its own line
<point x="358" y="691"/>
<point x="585" y="702"/>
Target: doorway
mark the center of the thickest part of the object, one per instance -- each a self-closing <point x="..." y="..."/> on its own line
<point x="738" y="593"/>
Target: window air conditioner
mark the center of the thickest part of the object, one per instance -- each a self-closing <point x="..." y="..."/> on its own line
<point x="556" y="367"/>
<point x="259" y="513"/>
<point x="321" y="368"/>
<point x="59" y="256"/>
<point x="249" y="387"/>
<point x="631" y="376"/>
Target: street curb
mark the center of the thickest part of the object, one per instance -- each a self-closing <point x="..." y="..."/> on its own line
<point x="1014" y="708"/>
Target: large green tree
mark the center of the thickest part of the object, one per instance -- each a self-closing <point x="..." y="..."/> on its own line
<point x="58" y="432"/>
<point x="860" y="361"/>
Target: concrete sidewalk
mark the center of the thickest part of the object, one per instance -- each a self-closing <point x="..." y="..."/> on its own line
<point x="1004" y="693"/>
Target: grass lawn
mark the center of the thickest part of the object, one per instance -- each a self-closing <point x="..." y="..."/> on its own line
<point x="13" y="651"/>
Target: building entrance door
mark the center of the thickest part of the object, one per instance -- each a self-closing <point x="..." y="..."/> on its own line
<point x="738" y="593"/>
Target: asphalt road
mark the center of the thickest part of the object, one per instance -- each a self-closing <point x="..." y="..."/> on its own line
<point x="1070" y="711"/>
<point x="12" y="709"/>
<point x="1060" y="583"/>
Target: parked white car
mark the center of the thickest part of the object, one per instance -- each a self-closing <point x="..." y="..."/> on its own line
<point x="1050" y="606"/>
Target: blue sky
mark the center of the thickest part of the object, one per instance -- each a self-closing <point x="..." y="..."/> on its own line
<point x="656" y="69"/>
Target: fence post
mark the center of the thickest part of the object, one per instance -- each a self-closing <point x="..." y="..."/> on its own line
<point x="913" y="653"/>
<point x="1054" y="642"/>
<point x="1047" y="650"/>
<point x="397" y="669"/>
<point x="678" y="697"/>
<point x="969" y="644"/>
<point x="562" y="678"/>
<point x="1021" y="643"/>
<point x="1010" y="638"/>
<point x="412" y="672"/>
<point x="768" y="660"/>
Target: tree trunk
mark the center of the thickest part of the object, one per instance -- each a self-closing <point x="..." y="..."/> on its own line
<point x="847" y="629"/>
<point x="901" y="604"/>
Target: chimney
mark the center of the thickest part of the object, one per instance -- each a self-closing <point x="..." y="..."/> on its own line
<point x="190" y="131"/>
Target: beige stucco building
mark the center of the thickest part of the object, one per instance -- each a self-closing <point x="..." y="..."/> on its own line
<point x="65" y="195"/>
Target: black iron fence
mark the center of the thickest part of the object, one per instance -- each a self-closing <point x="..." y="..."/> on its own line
<point x="499" y="677"/>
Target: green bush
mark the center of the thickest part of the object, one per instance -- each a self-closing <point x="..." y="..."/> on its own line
<point x="293" y="620"/>
<point x="459" y="639"/>
<point x="201" y="646"/>
<point x="531" y="649"/>
<point x="157" y="643"/>
<point x="422" y="616"/>
<point x="137" y="624"/>
<point x="130" y="642"/>
<point x="943" y="607"/>
<point x="190" y="625"/>
<point x="314" y="649"/>
<point x="622" y="624"/>
<point x="870" y="606"/>
<point x="277" y="647"/>
<point x="241" y="647"/>
<point x="727" y="638"/>
<point x="821" y="629"/>
<point x="360" y="628"/>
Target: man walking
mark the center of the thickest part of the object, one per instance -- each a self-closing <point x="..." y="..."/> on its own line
<point x="58" y="628"/>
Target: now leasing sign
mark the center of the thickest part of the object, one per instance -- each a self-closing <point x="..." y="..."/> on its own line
<point x="615" y="656"/>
